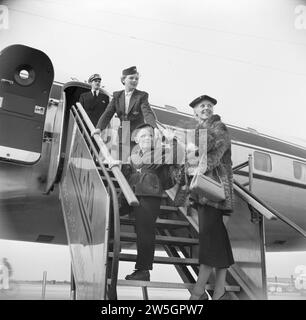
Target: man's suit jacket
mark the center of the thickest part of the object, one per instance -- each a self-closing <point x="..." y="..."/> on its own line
<point x="94" y="106"/>
<point x="139" y="110"/>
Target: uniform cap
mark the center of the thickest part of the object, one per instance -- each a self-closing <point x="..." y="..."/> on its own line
<point x="129" y="71"/>
<point x="94" y="77"/>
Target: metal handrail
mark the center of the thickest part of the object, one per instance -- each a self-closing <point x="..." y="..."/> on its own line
<point x="273" y="211"/>
<point x="240" y="166"/>
<point x="267" y="207"/>
<point x="112" y="292"/>
<point x="116" y="245"/>
<point x="254" y="202"/>
<point x="125" y="187"/>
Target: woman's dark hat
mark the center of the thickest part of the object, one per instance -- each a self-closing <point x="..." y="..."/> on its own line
<point x="129" y="71"/>
<point x="136" y="130"/>
<point x="200" y="99"/>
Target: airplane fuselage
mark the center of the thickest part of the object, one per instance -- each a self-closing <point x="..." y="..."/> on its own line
<point x="279" y="178"/>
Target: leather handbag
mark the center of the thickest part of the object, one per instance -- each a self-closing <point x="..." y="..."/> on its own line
<point x="183" y="189"/>
<point x="207" y="187"/>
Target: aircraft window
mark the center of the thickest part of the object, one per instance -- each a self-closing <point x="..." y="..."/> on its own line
<point x="262" y="161"/>
<point x="299" y="170"/>
<point x="24" y="75"/>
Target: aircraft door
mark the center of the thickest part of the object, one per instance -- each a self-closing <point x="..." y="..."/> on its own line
<point x="26" y="77"/>
<point x="57" y="140"/>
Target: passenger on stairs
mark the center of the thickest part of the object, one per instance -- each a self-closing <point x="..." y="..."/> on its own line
<point x="152" y="174"/>
<point x="133" y="109"/>
<point x="214" y="245"/>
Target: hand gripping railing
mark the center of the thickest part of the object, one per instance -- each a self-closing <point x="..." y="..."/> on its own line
<point x="82" y="117"/>
<point x="125" y="187"/>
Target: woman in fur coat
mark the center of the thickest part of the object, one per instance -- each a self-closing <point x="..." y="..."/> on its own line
<point x="214" y="245"/>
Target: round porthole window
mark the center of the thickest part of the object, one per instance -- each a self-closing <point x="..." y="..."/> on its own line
<point x="24" y="75"/>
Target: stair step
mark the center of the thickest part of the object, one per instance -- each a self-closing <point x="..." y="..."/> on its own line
<point x="159" y="222"/>
<point x="131" y="237"/>
<point x="168" y="285"/>
<point x="157" y="259"/>
<point x="100" y="169"/>
<point x="112" y="179"/>
<point x="168" y="208"/>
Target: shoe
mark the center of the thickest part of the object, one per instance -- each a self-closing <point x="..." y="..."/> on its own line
<point x="222" y="296"/>
<point x="203" y="296"/>
<point x="143" y="275"/>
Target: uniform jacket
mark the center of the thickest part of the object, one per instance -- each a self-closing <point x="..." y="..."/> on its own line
<point x="139" y="110"/>
<point x="94" y="106"/>
<point x="153" y="171"/>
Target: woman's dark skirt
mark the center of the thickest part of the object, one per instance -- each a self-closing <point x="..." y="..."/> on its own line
<point x="214" y="244"/>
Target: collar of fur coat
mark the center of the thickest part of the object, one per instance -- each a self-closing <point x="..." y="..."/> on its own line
<point x="211" y="120"/>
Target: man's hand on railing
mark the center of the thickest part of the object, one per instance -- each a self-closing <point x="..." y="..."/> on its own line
<point x="98" y="132"/>
<point x="113" y="163"/>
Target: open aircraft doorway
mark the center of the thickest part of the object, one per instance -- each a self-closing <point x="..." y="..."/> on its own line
<point x="26" y="77"/>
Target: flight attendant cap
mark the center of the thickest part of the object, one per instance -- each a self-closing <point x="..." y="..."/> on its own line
<point x="129" y="71"/>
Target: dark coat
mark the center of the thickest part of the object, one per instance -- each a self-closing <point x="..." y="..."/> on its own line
<point x="153" y="171"/>
<point x="94" y="106"/>
<point x="219" y="160"/>
<point x="139" y="111"/>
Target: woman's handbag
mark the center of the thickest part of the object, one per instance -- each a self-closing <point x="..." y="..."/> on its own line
<point x="207" y="187"/>
<point x="183" y="189"/>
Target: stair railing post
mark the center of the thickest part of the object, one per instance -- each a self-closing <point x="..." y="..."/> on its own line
<point x="250" y="172"/>
<point x="145" y="293"/>
<point x="72" y="286"/>
<point x="257" y="218"/>
<point x="44" y="284"/>
<point x="254" y="215"/>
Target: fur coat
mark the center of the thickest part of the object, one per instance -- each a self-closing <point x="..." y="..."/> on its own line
<point x="219" y="162"/>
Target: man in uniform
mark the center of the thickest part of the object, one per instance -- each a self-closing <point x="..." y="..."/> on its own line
<point x="94" y="102"/>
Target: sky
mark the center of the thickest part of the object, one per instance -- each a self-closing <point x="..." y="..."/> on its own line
<point x="249" y="55"/>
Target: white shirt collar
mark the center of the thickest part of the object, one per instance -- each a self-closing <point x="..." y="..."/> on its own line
<point x="128" y="93"/>
<point x="97" y="91"/>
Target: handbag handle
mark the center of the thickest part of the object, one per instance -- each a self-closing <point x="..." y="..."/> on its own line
<point x="216" y="168"/>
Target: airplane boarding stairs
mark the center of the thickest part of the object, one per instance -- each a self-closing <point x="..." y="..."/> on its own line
<point x="89" y="191"/>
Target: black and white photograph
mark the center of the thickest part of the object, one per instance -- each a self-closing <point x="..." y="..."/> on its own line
<point x="153" y="150"/>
